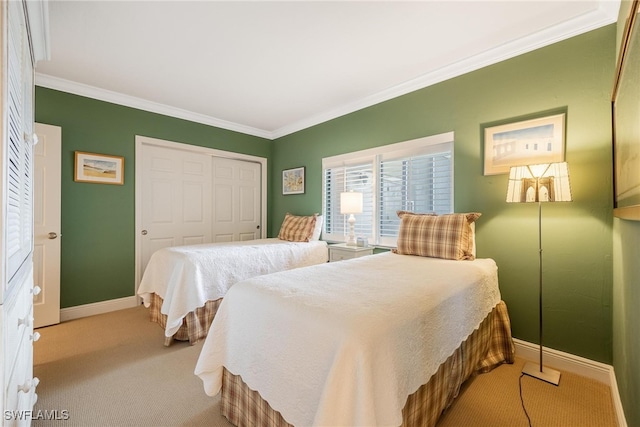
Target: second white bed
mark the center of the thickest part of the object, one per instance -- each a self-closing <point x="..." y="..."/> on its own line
<point x="186" y="277"/>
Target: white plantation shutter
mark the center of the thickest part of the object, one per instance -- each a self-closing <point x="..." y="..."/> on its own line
<point x="357" y="177"/>
<point x="414" y="175"/>
<point x="19" y="174"/>
<point x="421" y="183"/>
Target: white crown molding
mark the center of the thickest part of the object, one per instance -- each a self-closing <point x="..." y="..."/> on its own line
<point x="607" y="13"/>
<point x="81" y="89"/>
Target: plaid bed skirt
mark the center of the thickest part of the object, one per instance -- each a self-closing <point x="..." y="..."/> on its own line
<point x="195" y="325"/>
<point x="486" y="348"/>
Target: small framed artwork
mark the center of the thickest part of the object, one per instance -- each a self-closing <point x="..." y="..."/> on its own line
<point x="99" y="168"/>
<point x="293" y="181"/>
<point x="526" y="142"/>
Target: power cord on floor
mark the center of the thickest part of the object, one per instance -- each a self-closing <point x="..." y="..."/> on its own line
<point x="522" y="400"/>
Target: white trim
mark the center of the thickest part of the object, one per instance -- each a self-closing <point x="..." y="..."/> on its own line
<point x="93" y="92"/>
<point x="576" y="365"/>
<point x="101" y="307"/>
<point x="617" y="403"/>
<point x="607" y="13"/>
<point x="142" y="140"/>
<point x="396" y="147"/>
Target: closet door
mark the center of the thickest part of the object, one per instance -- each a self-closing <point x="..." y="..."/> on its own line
<point x="19" y="150"/>
<point x="236" y="200"/>
<point x="17" y="391"/>
<point x="175" y="199"/>
<point x="187" y="195"/>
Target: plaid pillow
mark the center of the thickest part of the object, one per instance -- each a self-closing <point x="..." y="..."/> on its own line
<point x="297" y="228"/>
<point x="441" y="236"/>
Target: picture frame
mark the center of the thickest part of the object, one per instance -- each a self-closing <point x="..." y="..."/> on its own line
<point x="98" y="168"/>
<point x="293" y="181"/>
<point x="625" y="108"/>
<point x="524" y="142"/>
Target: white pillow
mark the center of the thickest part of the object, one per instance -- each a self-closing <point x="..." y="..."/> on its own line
<point x="318" y="229"/>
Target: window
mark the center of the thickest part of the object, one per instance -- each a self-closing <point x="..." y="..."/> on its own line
<point x="413" y="175"/>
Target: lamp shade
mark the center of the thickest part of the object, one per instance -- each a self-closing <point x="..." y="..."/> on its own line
<point x="350" y="203"/>
<point x="548" y="182"/>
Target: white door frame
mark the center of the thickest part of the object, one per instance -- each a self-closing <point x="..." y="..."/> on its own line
<point x="145" y="140"/>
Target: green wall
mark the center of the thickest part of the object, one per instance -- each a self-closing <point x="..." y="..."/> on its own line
<point x="626" y="296"/>
<point x="626" y="316"/>
<point x="98" y="221"/>
<point x="575" y="75"/>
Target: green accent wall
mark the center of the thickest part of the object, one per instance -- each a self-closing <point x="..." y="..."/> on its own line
<point x="98" y="221"/>
<point x="574" y="75"/>
<point x="626" y="296"/>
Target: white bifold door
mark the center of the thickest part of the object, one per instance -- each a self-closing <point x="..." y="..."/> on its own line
<point x="188" y="197"/>
<point x="236" y="197"/>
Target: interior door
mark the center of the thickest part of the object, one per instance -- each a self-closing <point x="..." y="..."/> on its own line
<point x="176" y="199"/>
<point x="236" y="200"/>
<point x="47" y="228"/>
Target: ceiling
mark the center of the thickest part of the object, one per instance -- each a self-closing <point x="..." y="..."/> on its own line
<point x="272" y="68"/>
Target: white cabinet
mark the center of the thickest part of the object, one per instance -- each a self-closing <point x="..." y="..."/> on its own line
<point x="341" y="252"/>
<point x="17" y="395"/>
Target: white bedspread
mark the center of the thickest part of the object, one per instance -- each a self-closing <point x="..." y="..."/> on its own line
<point x="346" y="343"/>
<point x="186" y="277"/>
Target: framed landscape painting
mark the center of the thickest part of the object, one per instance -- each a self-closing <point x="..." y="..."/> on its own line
<point x="99" y="168"/>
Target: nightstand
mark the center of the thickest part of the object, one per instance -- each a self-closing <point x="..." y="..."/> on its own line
<point x="341" y="252"/>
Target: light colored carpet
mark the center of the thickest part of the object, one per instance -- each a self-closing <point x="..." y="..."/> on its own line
<point x="113" y="370"/>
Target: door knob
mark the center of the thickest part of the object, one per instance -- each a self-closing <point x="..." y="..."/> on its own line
<point x="52" y="235"/>
<point x="258" y="227"/>
<point x="144" y="232"/>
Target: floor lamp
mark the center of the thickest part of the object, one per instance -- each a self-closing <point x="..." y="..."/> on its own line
<point x="540" y="183"/>
<point x="351" y="203"/>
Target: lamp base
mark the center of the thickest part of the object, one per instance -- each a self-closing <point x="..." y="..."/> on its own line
<point x="549" y="375"/>
<point x="352" y="235"/>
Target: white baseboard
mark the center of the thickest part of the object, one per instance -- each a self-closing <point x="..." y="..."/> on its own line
<point x="97" y="308"/>
<point x="577" y="365"/>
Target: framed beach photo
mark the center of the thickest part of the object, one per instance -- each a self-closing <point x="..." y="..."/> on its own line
<point x="99" y="168"/>
<point x="526" y="142"/>
<point x="293" y="181"/>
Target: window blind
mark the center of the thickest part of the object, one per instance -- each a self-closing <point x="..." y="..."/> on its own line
<point x="421" y="183"/>
<point x="356" y="177"/>
<point x="414" y="175"/>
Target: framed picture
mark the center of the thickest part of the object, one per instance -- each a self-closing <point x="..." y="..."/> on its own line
<point x="626" y="132"/>
<point x="99" y="168"/>
<point x="525" y="142"/>
<point x="293" y="181"/>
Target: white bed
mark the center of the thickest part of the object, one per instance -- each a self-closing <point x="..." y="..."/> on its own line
<point x="185" y="278"/>
<point x="347" y="343"/>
